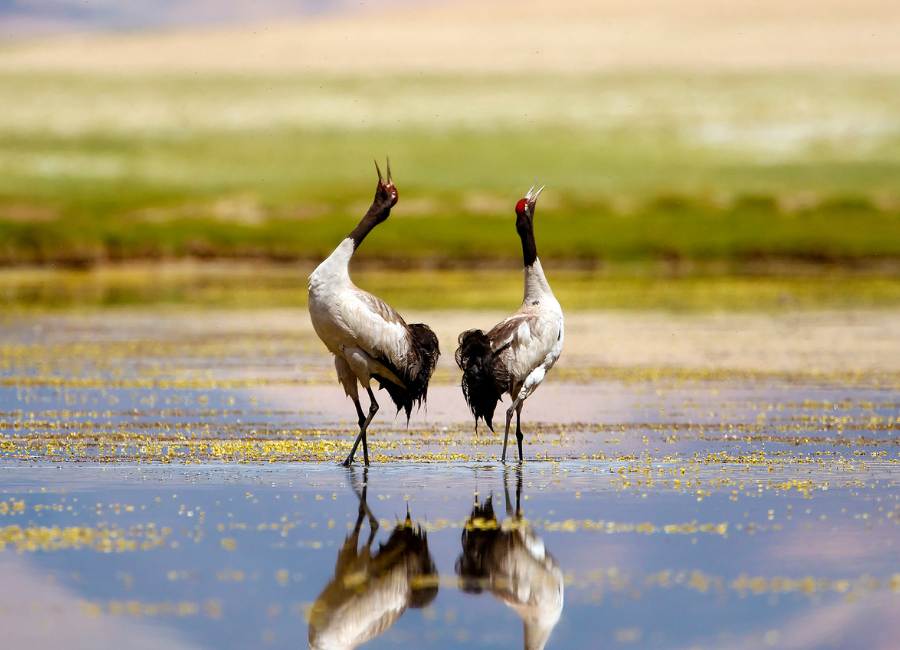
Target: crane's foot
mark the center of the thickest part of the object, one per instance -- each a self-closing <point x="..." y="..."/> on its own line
<point x="347" y="462"/>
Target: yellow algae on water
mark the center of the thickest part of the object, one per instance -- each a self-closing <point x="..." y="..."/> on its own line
<point x="102" y="539"/>
<point x="12" y="507"/>
<point x="481" y="523"/>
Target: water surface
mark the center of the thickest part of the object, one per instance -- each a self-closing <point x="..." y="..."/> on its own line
<point x="179" y="487"/>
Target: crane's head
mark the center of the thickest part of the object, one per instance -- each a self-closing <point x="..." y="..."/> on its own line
<point x="386" y="195"/>
<point x="525" y="208"/>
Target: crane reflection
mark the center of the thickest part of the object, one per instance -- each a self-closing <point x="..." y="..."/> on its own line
<point x="508" y="560"/>
<point x="371" y="589"/>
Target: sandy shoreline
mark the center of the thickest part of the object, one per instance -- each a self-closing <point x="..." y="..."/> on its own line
<point x="281" y="341"/>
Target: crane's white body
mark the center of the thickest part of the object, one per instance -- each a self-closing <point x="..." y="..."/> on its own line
<point x="354" y="325"/>
<point x="529" y="342"/>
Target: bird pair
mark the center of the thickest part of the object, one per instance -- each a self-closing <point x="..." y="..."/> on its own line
<point x="370" y="340"/>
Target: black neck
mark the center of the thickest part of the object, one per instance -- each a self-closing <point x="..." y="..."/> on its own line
<point x="373" y="217"/>
<point x="525" y="228"/>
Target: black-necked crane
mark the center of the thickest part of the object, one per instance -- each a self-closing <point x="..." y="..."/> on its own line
<point x="510" y="561"/>
<point x="514" y="356"/>
<point x="368" y="338"/>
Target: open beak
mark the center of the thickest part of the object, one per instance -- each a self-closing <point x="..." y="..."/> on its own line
<point x="380" y="178"/>
<point x="532" y="196"/>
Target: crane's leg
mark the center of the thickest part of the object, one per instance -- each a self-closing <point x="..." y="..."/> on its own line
<point x="359" y="364"/>
<point x="519" y="434"/>
<point x="506" y="434"/>
<point x="526" y="388"/>
<point x="509" y="414"/>
<point x="373" y="409"/>
<point x="348" y="380"/>
<point x="362" y="418"/>
<point x="514" y="393"/>
<point x="364" y="422"/>
<point x="517" y="408"/>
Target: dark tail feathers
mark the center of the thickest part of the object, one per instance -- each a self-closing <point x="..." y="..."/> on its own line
<point x="480" y="385"/>
<point x="423" y="358"/>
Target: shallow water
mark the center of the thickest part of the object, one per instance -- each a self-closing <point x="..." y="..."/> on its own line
<point x="180" y="489"/>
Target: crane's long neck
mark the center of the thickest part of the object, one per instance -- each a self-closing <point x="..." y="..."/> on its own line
<point x="536" y="284"/>
<point x="525" y="228"/>
<point x="372" y="218"/>
<point x="334" y="269"/>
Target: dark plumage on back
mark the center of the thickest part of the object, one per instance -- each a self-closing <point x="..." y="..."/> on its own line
<point x="416" y="371"/>
<point x="483" y="381"/>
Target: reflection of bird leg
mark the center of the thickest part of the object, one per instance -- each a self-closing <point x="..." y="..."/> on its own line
<point x="373" y="529"/>
<point x="359" y="520"/>
<point x="509" y="508"/>
<point x="364" y="506"/>
<point x="364" y="510"/>
<point x="519" y="491"/>
<point x="517" y="513"/>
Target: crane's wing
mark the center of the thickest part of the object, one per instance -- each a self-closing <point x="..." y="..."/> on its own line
<point x="522" y="341"/>
<point x="513" y="333"/>
<point x="378" y="329"/>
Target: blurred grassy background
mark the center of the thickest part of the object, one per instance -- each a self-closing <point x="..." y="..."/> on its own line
<point x="698" y="168"/>
<point x="250" y="285"/>
<point x="697" y="173"/>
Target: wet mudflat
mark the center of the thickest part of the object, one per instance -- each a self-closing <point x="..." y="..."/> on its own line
<point x="171" y="480"/>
